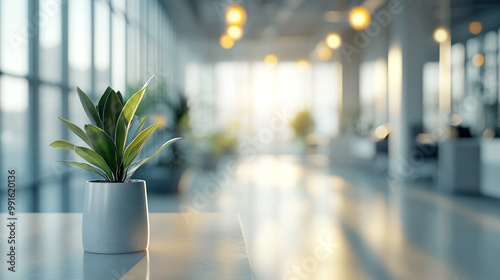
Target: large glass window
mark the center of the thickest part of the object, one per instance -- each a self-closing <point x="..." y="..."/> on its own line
<point x="101" y="45"/>
<point x="458" y="76"/>
<point x="373" y="95"/>
<point x="489" y="79"/>
<point x="118" y="56"/>
<point x="79" y="43"/>
<point x="133" y="57"/>
<point x="119" y="5"/>
<point x="431" y="96"/>
<point x="133" y="10"/>
<point x="50" y="192"/>
<point x="50" y="41"/>
<point x="325" y="98"/>
<point x="367" y="97"/>
<point x="248" y="95"/>
<point x="116" y="59"/>
<point x="473" y="47"/>
<point x="152" y="18"/>
<point x="479" y="108"/>
<point x="50" y="129"/>
<point x="14" y="37"/>
<point x="15" y="127"/>
<point x="77" y="116"/>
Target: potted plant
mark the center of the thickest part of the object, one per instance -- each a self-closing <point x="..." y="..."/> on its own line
<point x="302" y="124"/>
<point x="164" y="175"/>
<point x="115" y="212"/>
<point x="222" y="143"/>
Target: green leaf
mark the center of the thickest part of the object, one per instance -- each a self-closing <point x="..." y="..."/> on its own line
<point x="94" y="159"/>
<point x="120" y="96"/>
<point x="89" y="167"/>
<point x="123" y="124"/>
<point x="141" y="125"/>
<point x="137" y="144"/>
<point x="103" y="145"/>
<point x="139" y="163"/>
<point x="102" y="102"/>
<point x="133" y="168"/>
<point x="62" y="144"/>
<point x="112" y="111"/>
<point x="89" y="108"/>
<point x="136" y="126"/>
<point x="78" y="131"/>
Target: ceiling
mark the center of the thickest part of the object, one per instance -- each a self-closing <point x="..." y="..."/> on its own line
<point x="462" y="9"/>
<point x="463" y="12"/>
<point x="267" y="18"/>
<point x="291" y="28"/>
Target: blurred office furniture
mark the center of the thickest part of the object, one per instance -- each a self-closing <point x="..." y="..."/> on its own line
<point x="490" y="167"/>
<point x="368" y="148"/>
<point x="352" y="151"/>
<point x="425" y="154"/>
<point x="381" y="163"/>
<point x="424" y="142"/>
<point x="363" y="148"/>
<point x="462" y="131"/>
<point x="459" y="165"/>
<point x="319" y="144"/>
<point x="382" y="146"/>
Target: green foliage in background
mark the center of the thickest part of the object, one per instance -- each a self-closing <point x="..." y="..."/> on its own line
<point x="223" y="143"/>
<point x="153" y="100"/>
<point x="302" y="124"/>
<point x="107" y="153"/>
<point x="180" y="126"/>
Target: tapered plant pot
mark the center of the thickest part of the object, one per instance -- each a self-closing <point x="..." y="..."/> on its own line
<point x="115" y="217"/>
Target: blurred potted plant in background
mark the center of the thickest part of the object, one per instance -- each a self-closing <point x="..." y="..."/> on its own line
<point x="173" y="165"/>
<point x="164" y="174"/>
<point x="221" y="143"/>
<point x="302" y="125"/>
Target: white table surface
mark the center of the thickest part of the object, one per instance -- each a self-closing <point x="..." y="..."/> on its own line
<point x="49" y="246"/>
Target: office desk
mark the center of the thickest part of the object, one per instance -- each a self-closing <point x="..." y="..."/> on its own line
<point x="49" y="246"/>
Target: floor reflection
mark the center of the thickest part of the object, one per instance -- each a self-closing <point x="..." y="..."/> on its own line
<point x="305" y="220"/>
<point x="116" y="266"/>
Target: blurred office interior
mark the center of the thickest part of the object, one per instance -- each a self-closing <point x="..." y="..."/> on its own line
<point x="371" y="126"/>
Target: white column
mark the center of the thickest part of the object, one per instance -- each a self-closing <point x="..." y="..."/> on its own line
<point x="407" y="54"/>
<point x="349" y="98"/>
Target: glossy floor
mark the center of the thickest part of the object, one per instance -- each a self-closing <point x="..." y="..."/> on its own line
<point x="303" y="219"/>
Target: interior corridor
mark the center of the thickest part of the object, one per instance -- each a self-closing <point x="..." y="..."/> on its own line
<point x="369" y="226"/>
<point x="311" y="139"/>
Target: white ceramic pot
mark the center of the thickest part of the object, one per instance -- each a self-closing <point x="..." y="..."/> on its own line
<point x="115" y="217"/>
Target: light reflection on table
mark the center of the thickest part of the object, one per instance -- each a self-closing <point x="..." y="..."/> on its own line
<point x="208" y="246"/>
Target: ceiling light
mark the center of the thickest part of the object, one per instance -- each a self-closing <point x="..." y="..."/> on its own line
<point x="271" y="60"/>
<point x="478" y="60"/>
<point x="226" y="42"/>
<point x="359" y="18"/>
<point x="333" y="40"/>
<point x="303" y="64"/>
<point x="381" y="132"/>
<point x="475" y="27"/>
<point x="441" y="34"/>
<point x="323" y="51"/>
<point x="235" y="32"/>
<point x="236" y="15"/>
